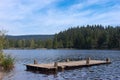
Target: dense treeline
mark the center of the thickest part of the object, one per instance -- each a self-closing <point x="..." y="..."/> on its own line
<point x="90" y="37"/>
<point x="30" y="44"/>
<point x="80" y="37"/>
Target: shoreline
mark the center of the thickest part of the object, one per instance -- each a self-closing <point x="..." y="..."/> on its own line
<point x="54" y="49"/>
<point x="1" y="73"/>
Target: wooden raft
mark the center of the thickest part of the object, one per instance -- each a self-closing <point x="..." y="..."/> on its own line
<point x="61" y="66"/>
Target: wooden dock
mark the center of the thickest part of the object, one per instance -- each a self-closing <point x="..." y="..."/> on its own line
<point x="61" y="66"/>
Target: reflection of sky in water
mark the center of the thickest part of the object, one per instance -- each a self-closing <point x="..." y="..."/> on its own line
<point x="103" y="72"/>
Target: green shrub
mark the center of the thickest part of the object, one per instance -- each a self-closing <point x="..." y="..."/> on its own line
<point x="1" y="57"/>
<point x="7" y="62"/>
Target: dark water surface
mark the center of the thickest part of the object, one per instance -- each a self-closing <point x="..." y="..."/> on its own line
<point x="101" y="72"/>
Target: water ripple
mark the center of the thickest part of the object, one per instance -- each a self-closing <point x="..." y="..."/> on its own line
<point x="102" y="72"/>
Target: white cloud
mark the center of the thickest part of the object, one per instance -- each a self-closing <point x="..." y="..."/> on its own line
<point x="43" y="17"/>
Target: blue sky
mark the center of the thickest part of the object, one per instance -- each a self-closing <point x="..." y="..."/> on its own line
<point x="21" y="17"/>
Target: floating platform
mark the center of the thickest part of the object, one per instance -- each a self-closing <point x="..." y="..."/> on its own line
<point x="61" y="66"/>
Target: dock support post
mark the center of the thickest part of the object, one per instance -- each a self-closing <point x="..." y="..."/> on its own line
<point x="107" y="60"/>
<point x="62" y="68"/>
<point x="35" y="61"/>
<point x="56" y="66"/>
<point x="88" y="61"/>
<point x="67" y="60"/>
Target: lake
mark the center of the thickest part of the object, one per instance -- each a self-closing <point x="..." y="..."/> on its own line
<point x="101" y="72"/>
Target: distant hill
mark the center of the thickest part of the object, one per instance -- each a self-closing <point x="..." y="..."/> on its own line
<point x="27" y="37"/>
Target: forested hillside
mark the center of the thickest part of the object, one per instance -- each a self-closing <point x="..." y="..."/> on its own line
<point x="28" y="37"/>
<point x="28" y="41"/>
<point x="80" y="37"/>
<point x="89" y="37"/>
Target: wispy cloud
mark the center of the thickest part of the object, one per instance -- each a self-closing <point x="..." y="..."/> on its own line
<point x="46" y="17"/>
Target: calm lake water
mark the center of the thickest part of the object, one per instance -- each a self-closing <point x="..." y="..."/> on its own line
<point x="101" y="72"/>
